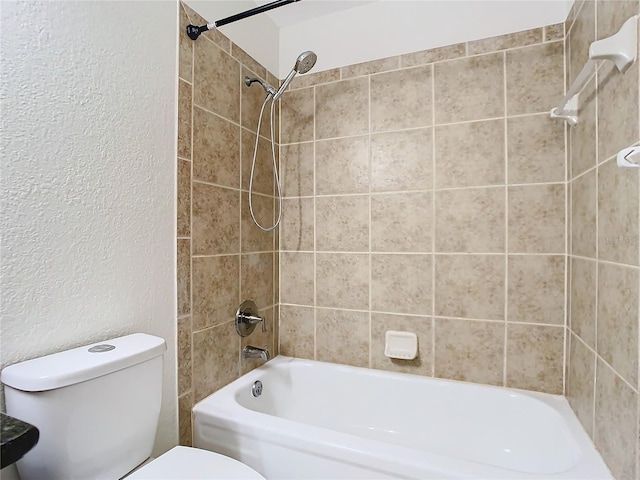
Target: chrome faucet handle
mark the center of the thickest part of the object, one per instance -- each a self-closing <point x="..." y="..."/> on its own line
<point x="247" y="318"/>
<point x="253" y="320"/>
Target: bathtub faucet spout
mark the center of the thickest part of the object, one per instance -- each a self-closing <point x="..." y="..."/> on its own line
<point x="250" y="351"/>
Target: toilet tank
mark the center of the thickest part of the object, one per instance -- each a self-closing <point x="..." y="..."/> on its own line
<point x="97" y="407"/>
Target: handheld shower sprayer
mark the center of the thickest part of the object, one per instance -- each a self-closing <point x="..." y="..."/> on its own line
<point x="304" y="63"/>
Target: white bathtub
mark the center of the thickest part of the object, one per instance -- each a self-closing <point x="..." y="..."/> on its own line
<point x="325" y="421"/>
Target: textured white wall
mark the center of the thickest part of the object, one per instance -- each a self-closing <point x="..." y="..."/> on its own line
<point x="88" y="131"/>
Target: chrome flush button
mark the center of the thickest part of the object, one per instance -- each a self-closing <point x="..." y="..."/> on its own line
<point x="101" y="348"/>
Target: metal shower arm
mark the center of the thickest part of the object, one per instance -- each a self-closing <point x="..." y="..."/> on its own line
<point x="193" y="31"/>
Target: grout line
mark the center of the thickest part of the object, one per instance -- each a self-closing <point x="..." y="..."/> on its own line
<point x="596" y="79"/>
<point x="434" y="159"/>
<point x="442" y="189"/>
<point x="568" y="230"/>
<point x="315" y="235"/>
<point x="415" y="315"/>
<point x="426" y="64"/>
<point x="421" y="127"/>
<point x="370" y="216"/>
<point x="506" y="219"/>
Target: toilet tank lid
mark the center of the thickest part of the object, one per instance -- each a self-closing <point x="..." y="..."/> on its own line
<point x="83" y="363"/>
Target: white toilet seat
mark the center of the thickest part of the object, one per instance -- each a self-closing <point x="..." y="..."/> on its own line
<point x="186" y="463"/>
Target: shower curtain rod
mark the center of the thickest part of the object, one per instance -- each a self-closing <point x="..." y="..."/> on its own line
<point x="193" y="31"/>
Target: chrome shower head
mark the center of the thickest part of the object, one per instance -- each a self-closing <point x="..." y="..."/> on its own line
<point x="304" y="63"/>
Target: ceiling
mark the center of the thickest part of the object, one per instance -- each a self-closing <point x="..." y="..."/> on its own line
<point x="302" y="11"/>
<point x="345" y="32"/>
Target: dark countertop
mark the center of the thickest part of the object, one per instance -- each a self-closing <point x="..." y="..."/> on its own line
<point x="17" y="438"/>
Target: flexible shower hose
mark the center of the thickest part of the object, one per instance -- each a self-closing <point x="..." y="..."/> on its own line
<point x="275" y="167"/>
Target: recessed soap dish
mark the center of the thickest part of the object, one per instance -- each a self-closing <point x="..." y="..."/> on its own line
<point x="401" y="345"/>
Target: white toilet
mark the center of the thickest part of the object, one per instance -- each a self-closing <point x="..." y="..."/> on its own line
<point x="97" y="409"/>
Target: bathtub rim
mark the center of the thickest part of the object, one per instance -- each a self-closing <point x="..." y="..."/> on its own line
<point x="221" y="407"/>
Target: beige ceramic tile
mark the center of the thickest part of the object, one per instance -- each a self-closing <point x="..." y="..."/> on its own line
<point x="216" y="224"/>
<point x="535" y="78"/>
<point x="401" y="99"/>
<point x="296" y="278"/>
<point x="263" y="178"/>
<point x="259" y="339"/>
<point x="583" y="300"/>
<point x="583" y="136"/>
<point x="580" y="382"/>
<point x="252" y="98"/>
<point x="618" y="205"/>
<point x="216" y="353"/>
<point x="554" y="32"/>
<point x="311" y="79"/>
<point x="502" y="42"/>
<point x="342" y="108"/>
<point x="618" y="98"/>
<point x="297" y="332"/>
<point x="470" y="220"/>
<point x="433" y="55"/>
<point x="215" y="290"/>
<point x="216" y="83"/>
<point x="367" y="68"/>
<point x="536" y="289"/>
<point x="184" y="355"/>
<point x="184" y="199"/>
<point x="255" y="239"/>
<point x="469" y="88"/>
<point x="342" y="280"/>
<point x="401" y="283"/>
<point x="297" y="227"/>
<point x="401" y="161"/>
<point x="470" y="351"/>
<point x="536" y="219"/>
<point x="616" y="422"/>
<point x="470" y="154"/>
<point x="257" y="278"/>
<point x="535" y="357"/>
<point x="185" y="49"/>
<point x="216" y="158"/>
<point x="401" y="222"/>
<point x="248" y="61"/>
<point x="617" y="324"/>
<point x="421" y="326"/>
<point x="342" y="337"/>
<point x="185" y="404"/>
<point x="470" y="286"/>
<point x="184" y="120"/>
<point x="342" y="223"/>
<point x="342" y="166"/>
<point x="215" y="35"/>
<point x="535" y="149"/>
<point x="584" y="198"/>
<point x="184" y="277"/>
<point x="296" y="166"/>
<point x="297" y="116"/>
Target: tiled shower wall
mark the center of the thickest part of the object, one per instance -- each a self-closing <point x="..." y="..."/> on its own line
<point x="222" y="257"/>
<point x="427" y="192"/>
<point x="602" y="366"/>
